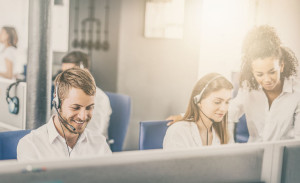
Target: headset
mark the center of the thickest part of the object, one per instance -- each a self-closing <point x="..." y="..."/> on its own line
<point x="13" y="102"/>
<point x="197" y="100"/>
<point x="57" y="105"/>
<point x="198" y="97"/>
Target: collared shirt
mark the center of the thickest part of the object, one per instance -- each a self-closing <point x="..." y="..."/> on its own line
<point x="184" y="134"/>
<point x="45" y="143"/>
<point x="278" y="122"/>
<point x="101" y="114"/>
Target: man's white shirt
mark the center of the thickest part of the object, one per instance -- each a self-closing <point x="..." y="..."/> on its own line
<point x="45" y="143"/>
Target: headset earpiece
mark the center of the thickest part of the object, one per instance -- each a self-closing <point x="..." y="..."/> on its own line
<point x="13" y="102"/>
<point x="56" y="100"/>
<point x="198" y="97"/>
<point x="81" y="65"/>
<point x="57" y="104"/>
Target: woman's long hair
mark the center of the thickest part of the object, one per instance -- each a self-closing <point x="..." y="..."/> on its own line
<point x="192" y="113"/>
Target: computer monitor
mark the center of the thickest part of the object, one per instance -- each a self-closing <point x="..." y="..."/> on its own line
<point x="195" y="165"/>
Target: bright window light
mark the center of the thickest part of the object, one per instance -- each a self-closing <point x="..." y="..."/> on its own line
<point x="224" y="24"/>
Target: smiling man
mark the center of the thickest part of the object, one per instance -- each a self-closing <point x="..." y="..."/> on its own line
<point x="65" y="134"/>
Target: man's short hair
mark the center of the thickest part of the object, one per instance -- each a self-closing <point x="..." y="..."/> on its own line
<point x="75" y="78"/>
<point x="77" y="58"/>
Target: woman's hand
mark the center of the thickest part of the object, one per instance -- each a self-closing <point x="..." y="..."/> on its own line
<point x="174" y="119"/>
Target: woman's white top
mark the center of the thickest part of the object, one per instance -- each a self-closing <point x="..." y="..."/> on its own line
<point x="9" y="53"/>
<point x="280" y="121"/>
<point x="184" y="134"/>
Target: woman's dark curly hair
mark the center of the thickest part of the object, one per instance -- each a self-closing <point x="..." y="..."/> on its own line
<point x="263" y="42"/>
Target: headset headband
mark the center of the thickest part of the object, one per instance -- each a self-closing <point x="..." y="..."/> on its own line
<point x="198" y="97"/>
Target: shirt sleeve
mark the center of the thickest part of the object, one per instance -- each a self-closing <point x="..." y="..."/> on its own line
<point x="10" y="54"/>
<point x="236" y="107"/>
<point x="297" y="122"/>
<point x="230" y="136"/>
<point x="174" y="139"/>
<point x="105" y="149"/>
<point x="25" y="150"/>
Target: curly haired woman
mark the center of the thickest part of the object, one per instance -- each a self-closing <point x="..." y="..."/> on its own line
<point x="269" y="93"/>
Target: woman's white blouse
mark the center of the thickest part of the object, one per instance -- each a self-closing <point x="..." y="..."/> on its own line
<point x="280" y="121"/>
<point x="184" y="134"/>
<point x="8" y="53"/>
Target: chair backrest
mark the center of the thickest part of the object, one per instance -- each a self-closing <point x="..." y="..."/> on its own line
<point x="9" y="142"/>
<point x="241" y="134"/>
<point x="152" y="134"/>
<point x="119" y="119"/>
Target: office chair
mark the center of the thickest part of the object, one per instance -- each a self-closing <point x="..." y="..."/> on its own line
<point x="8" y="143"/>
<point x="152" y="134"/>
<point x="119" y="120"/>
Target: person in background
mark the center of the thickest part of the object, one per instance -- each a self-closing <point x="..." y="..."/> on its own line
<point x="269" y="93"/>
<point x="205" y="120"/>
<point x="8" y="52"/>
<point x="102" y="112"/>
<point x="65" y="135"/>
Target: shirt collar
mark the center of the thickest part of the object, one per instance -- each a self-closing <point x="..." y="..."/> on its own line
<point x="53" y="133"/>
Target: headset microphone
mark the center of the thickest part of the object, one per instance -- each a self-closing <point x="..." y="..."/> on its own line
<point x="213" y="121"/>
<point x="62" y="119"/>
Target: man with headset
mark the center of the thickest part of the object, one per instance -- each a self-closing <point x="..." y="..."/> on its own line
<point x="65" y="134"/>
<point x="102" y="112"/>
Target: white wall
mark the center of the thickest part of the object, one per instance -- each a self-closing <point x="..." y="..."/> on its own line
<point x="15" y="13"/>
<point x="225" y="23"/>
<point x="158" y="74"/>
<point x="104" y="63"/>
<point x="285" y="17"/>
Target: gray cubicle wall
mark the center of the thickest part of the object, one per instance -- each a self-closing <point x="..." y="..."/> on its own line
<point x="192" y="165"/>
<point x="285" y="161"/>
<point x="291" y="164"/>
<point x="8" y="120"/>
